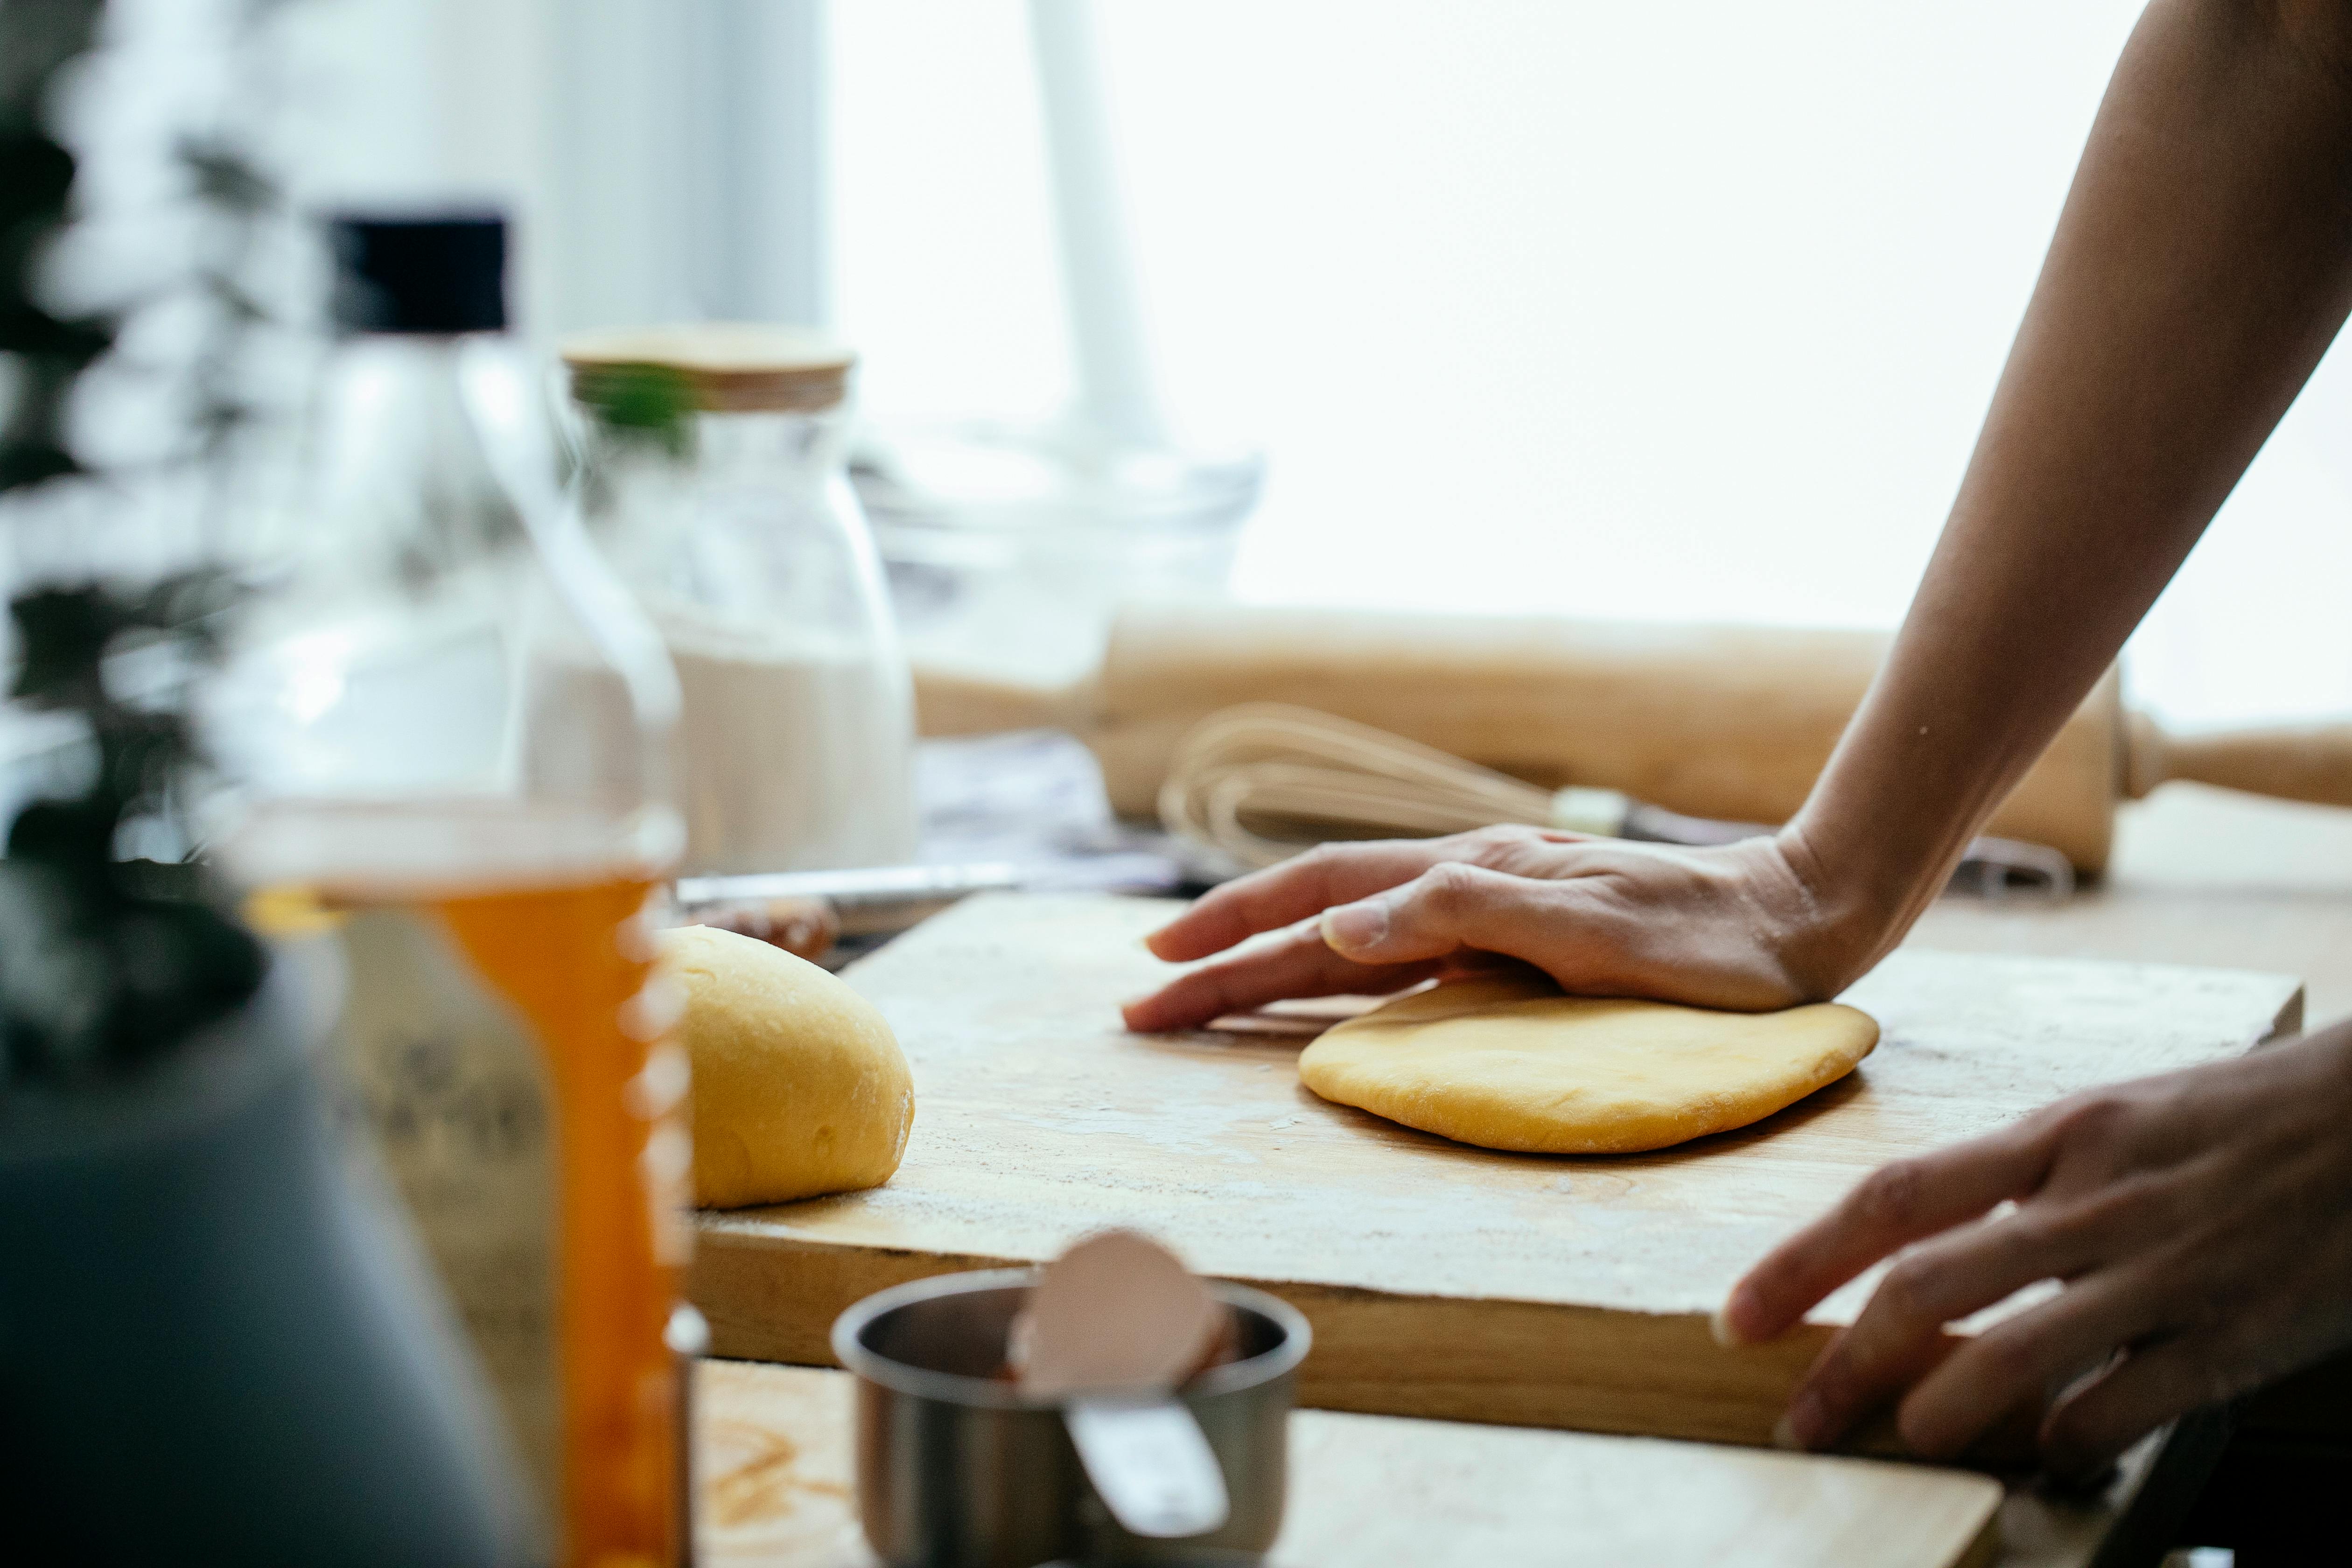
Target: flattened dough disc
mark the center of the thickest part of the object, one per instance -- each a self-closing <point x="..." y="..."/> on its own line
<point x="1510" y="1063"/>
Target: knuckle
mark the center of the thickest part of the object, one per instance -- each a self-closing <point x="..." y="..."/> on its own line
<point x="1209" y="987"/>
<point x="1502" y="846"/>
<point x="2042" y="1240"/>
<point x="1448" y="888"/>
<point x="1891" y="1196"/>
<point x="2131" y="1207"/>
<point x="2095" y="1119"/>
<point x="1908" y="1292"/>
<point x="1321" y="858"/>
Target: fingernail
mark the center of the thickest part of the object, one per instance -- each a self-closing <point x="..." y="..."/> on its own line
<point x="1785" y="1436"/>
<point x="1355" y="925"/>
<point x="1719" y="1326"/>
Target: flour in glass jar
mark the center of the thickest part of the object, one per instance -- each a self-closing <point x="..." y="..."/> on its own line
<point x="795" y="748"/>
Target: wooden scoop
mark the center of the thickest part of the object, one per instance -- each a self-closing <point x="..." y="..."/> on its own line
<point x="1113" y="1326"/>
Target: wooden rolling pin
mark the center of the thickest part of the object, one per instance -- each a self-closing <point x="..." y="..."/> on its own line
<point x="1718" y="722"/>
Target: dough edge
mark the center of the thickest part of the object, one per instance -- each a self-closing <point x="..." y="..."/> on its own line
<point x="1484" y="1115"/>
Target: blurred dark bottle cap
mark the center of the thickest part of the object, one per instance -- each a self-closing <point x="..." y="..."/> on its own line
<point x="420" y="272"/>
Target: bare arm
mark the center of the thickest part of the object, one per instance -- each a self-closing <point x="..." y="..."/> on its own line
<point x="2204" y="262"/>
<point x="2201" y="265"/>
<point x="2202" y="1223"/>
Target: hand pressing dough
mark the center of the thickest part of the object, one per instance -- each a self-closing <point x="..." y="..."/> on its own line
<point x="1510" y="1063"/>
<point x="799" y="1086"/>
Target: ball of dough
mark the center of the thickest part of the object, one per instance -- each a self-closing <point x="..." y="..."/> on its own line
<point x="799" y="1086"/>
<point x="1510" y="1063"/>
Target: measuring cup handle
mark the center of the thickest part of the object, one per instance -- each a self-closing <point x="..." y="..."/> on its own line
<point x="1150" y="1464"/>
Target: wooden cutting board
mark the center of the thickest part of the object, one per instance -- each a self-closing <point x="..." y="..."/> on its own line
<point x="1442" y="1280"/>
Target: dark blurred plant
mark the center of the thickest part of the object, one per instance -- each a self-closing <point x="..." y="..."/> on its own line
<point x="106" y="961"/>
<point x="37" y="40"/>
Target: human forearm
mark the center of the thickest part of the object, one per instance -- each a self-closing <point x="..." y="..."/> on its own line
<point x="2201" y="265"/>
<point x="2203" y="261"/>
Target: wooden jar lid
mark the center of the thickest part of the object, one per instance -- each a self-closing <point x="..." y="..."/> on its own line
<point x="727" y="366"/>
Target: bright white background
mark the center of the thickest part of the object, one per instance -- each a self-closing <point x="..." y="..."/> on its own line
<point x="1682" y="312"/>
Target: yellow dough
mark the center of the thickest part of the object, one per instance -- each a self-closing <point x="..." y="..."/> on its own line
<point x="1510" y="1063"/>
<point x="799" y="1086"/>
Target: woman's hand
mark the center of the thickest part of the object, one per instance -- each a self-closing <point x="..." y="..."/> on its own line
<point x="2201" y="1224"/>
<point x="1745" y="925"/>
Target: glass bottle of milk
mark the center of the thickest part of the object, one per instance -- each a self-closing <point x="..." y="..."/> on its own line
<point x="716" y="478"/>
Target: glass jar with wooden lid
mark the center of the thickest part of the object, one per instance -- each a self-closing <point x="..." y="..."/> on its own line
<point x="717" y="486"/>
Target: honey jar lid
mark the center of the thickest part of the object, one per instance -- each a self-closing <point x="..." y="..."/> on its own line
<point x="724" y="367"/>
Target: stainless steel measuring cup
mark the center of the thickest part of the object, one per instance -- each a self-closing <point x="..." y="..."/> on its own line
<point x="956" y="1469"/>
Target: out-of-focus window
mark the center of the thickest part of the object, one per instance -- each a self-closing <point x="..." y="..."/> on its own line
<point x="1685" y="311"/>
<point x="1637" y="311"/>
